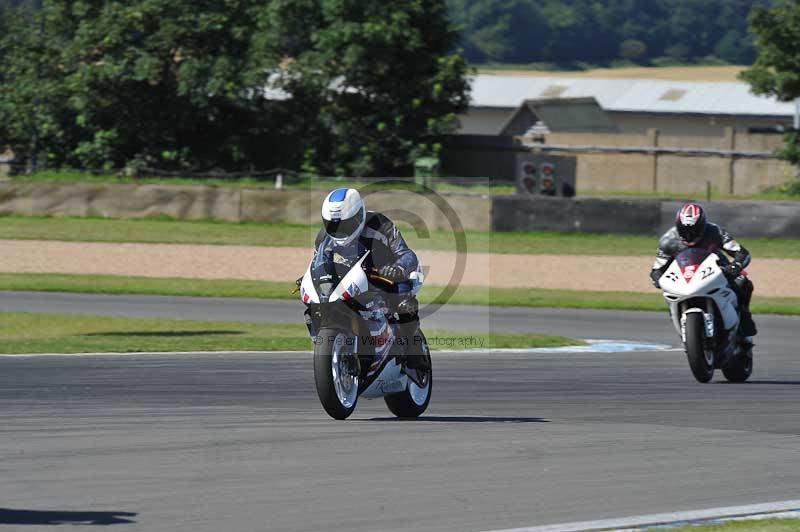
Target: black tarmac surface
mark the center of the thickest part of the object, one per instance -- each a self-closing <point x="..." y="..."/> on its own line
<point x="239" y="442"/>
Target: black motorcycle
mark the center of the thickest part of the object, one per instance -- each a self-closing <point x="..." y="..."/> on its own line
<point x="356" y="347"/>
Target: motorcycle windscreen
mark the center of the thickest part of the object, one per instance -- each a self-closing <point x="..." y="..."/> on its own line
<point x="331" y="263"/>
<point x="689" y="261"/>
<point x="692" y="257"/>
<point x="701" y="275"/>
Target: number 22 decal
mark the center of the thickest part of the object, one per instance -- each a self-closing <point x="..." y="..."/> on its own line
<point x="706" y="272"/>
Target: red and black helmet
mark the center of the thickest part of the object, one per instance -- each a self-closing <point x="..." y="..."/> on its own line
<point x="691" y="223"/>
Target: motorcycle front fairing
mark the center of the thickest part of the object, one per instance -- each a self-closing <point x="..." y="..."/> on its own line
<point x="696" y="274"/>
<point x="333" y="275"/>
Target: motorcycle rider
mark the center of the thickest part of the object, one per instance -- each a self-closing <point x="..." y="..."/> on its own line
<point x="345" y="220"/>
<point x="692" y="229"/>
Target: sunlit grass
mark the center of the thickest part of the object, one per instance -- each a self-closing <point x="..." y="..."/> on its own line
<point x="57" y="333"/>
<point x="163" y="230"/>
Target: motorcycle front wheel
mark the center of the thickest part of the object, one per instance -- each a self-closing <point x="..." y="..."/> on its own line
<point x="414" y="400"/>
<point x="701" y="360"/>
<point x="335" y="373"/>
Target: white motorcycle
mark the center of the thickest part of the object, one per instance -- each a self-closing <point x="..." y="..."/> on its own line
<point x="704" y="310"/>
<point x="354" y="333"/>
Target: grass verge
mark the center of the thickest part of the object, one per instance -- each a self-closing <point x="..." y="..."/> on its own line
<point x="55" y="333"/>
<point x="546" y="298"/>
<point x="521" y="297"/>
<point x="167" y="231"/>
<point x="766" y="525"/>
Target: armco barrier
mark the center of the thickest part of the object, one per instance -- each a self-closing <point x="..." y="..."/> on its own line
<point x="524" y="213"/>
<point x="475" y="212"/>
<point x="119" y="201"/>
<point x="747" y="218"/>
<point x="646" y="217"/>
<point x="230" y="203"/>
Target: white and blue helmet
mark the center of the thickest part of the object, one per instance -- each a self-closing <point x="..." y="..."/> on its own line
<point x="343" y="215"/>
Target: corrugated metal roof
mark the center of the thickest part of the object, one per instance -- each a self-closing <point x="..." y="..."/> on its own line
<point x="634" y="95"/>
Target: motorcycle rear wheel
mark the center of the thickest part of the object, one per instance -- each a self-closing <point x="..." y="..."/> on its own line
<point x="740" y="368"/>
<point x="413" y="401"/>
<point x="701" y="361"/>
<point x="337" y="388"/>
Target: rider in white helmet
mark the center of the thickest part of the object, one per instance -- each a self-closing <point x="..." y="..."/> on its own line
<point x="345" y="220"/>
<point x="343" y="216"/>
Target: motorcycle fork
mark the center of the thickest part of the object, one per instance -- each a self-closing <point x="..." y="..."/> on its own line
<point x="725" y="344"/>
<point x="709" y="322"/>
<point x="345" y="318"/>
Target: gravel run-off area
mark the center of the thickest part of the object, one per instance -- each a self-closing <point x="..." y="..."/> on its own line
<point x="772" y="277"/>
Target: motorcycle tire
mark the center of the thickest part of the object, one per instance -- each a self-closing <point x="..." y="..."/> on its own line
<point x="701" y="361"/>
<point x="413" y="401"/>
<point x="740" y="368"/>
<point x="336" y="388"/>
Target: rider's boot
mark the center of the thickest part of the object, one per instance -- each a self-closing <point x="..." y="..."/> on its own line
<point x="413" y="346"/>
<point x="414" y="352"/>
<point x="748" y="326"/>
<point x="744" y="290"/>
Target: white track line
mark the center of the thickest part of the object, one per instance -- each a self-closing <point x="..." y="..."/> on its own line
<point x="152" y="353"/>
<point x="595" y="346"/>
<point x="782" y="508"/>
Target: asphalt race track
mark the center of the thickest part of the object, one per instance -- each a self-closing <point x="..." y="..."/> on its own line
<point x="238" y="442"/>
<point x="568" y="322"/>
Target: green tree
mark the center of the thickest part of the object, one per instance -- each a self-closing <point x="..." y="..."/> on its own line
<point x="351" y="86"/>
<point x="776" y="71"/>
<point x="632" y="49"/>
<point x="164" y="82"/>
<point x="34" y="117"/>
<point x="572" y="31"/>
<point x="502" y="30"/>
<point x="736" y="48"/>
<point x="379" y="78"/>
<point x="101" y="83"/>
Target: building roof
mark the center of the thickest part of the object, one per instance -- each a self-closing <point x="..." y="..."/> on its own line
<point x="631" y="95"/>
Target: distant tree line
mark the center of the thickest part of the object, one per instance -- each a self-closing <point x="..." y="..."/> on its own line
<point x="776" y="71"/>
<point x="336" y="87"/>
<point x="571" y="32"/>
<point x="350" y="87"/>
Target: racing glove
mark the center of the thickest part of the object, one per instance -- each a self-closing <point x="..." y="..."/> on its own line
<point x="655" y="275"/>
<point x="733" y="269"/>
<point x="393" y="272"/>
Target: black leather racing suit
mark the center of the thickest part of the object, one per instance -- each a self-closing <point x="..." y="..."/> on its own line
<point x="387" y="247"/>
<point x="718" y="240"/>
